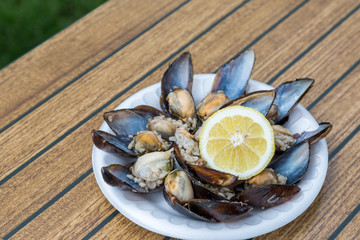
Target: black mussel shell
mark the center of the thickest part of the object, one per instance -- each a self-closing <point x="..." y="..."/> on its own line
<point x="202" y="191"/>
<point x="233" y="77"/>
<point x="316" y="135"/>
<point x="125" y="122"/>
<point x="112" y="144"/>
<point x="147" y="112"/>
<point x="178" y="75"/>
<point x="116" y="175"/>
<point x="293" y="163"/>
<point x="288" y="94"/>
<point x="260" y="101"/>
<point x="209" y="210"/>
<point x="269" y="195"/>
<point x="212" y="176"/>
<point x="217" y="210"/>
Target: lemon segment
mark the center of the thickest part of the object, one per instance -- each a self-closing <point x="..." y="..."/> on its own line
<point x="237" y="140"/>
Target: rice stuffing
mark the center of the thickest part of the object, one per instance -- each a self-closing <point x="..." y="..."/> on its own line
<point x="189" y="147"/>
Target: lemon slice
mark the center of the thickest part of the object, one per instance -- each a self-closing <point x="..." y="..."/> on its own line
<point x="237" y="140"/>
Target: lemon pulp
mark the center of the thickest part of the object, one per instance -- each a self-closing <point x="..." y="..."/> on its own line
<point x="237" y="140"/>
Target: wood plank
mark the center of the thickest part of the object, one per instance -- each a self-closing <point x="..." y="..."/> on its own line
<point x="293" y="44"/>
<point x="35" y="76"/>
<point x="352" y="230"/>
<point x="79" y="155"/>
<point x="117" y="73"/>
<point x="85" y="148"/>
<point x="114" y="233"/>
<point x="66" y="223"/>
<point x="329" y="209"/>
<point x="51" y="174"/>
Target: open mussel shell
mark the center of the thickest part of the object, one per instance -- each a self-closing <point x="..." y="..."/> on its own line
<point x="147" y="112"/>
<point x="205" y="191"/>
<point x="125" y="122"/>
<point x="203" y="209"/>
<point x="293" y="163"/>
<point x="204" y="174"/>
<point x="212" y="176"/>
<point x="316" y="135"/>
<point x="179" y="75"/>
<point x="112" y="144"/>
<point x="217" y="210"/>
<point x="116" y="175"/>
<point x="144" y="176"/>
<point x="259" y="100"/>
<point x="268" y="195"/>
<point x="233" y="77"/>
<point x="177" y="206"/>
<point x="288" y="94"/>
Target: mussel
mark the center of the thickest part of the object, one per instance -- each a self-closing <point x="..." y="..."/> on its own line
<point x="117" y="145"/>
<point x="147" y="141"/>
<point x="265" y="177"/>
<point x="117" y="175"/>
<point x="145" y="175"/>
<point x="137" y="131"/>
<point x="125" y="122"/>
<point x="180" y="195"/>
<point x="163" y="127"/>
<point x="293" y="163"/>
<point x="153" y="166"/>
<point x="288" y="94"/>
<point x="176" y="86"/>
<point x="230" y="83"/>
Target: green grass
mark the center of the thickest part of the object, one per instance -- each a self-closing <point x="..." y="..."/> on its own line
<point x="24" y="24"/>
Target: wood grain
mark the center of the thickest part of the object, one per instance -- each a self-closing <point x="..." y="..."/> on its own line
<point x="320" y="17"/>
<point x="67" y="222"/>
<point x="59" y="60"/>
<point x="117" y="73"/>
<point x="352" y="230"/>
<point x="56" y="195"/>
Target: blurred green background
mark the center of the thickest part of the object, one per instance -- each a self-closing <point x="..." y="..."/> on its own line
<point x="24" y="24"/>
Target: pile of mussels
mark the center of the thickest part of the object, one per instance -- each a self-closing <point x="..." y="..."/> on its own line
<point x="154" y="139"/>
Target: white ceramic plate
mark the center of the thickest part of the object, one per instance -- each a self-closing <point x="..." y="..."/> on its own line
<point x="150" y="211"/>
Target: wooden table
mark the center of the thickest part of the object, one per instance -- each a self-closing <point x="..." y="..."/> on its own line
<point x="53" y="96"/>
